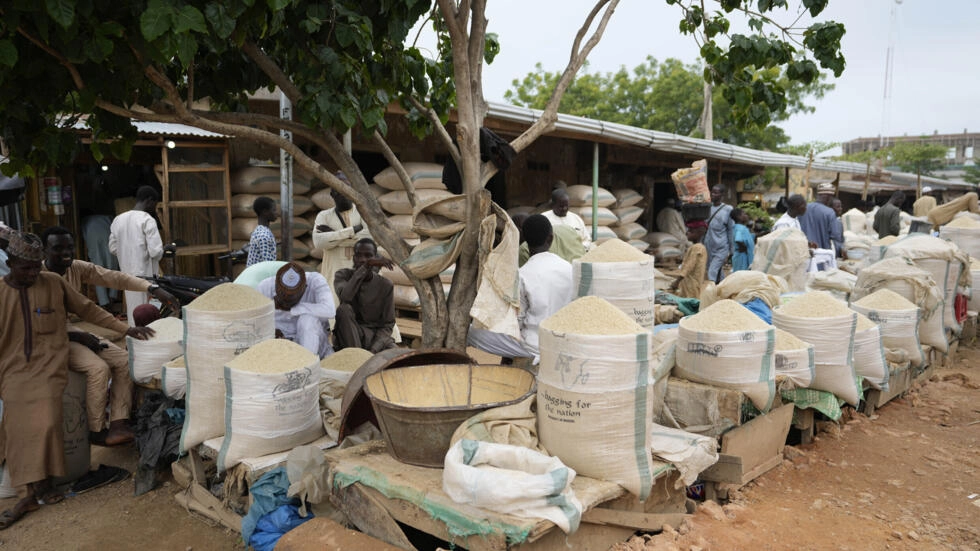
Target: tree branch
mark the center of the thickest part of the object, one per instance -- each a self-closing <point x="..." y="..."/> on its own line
<point x="447" y="140"/>
<point x="577" y="58"/>
<point x="76" y="77"/>
<point x="273" y="71"/>
<point x="397" y="166"/>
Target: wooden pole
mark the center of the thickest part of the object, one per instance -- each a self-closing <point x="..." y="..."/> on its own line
<point x="867" y="183"/>
<point x="787" y="182"/>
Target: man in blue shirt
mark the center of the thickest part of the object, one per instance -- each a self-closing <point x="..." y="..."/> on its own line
<point x="262" y="243"/>
<point x="820" y="223"/>
<point x="719" y="240"/>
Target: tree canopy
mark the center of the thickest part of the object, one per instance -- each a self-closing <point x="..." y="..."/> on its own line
<point x="918" y="158"/>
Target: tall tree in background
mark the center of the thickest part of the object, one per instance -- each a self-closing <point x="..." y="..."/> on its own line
<point x="666" y="97"/>
<point x="920" y="158"/>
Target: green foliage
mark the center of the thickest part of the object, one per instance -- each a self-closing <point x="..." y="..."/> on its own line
<point x="763" y="222"/>
<point x="972" y="174"/>
<point x="920" y="158"/>
<point x="808" y="148"/>
<point x="664" y="96"/>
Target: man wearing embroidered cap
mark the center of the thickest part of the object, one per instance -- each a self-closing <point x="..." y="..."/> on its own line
<point x="304" y="307"/>
<point x="34" y="308"/>
<point x="820" y="224"/>
<point x="922" y="205"/>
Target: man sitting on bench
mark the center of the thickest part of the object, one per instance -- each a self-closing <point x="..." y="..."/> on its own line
<point x="366" y="314"/>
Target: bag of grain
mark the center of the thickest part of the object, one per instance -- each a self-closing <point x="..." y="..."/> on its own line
<point x="620" y="274"/>
<point x="639" y="245"/>
<point x="794" y="359"/>
<point x="854" y="221"/>
<point x="818" y="318"/>
<point x="898" y="320"/>
<point x="869" y="354"/>
<point x="743" y="286"/>
<point x="604" y="216"/>
<point x="218" y="325"/>
<point x="422" y="175"/>
<point x="857" y="246"/>
<point x="629" y="232"/>
<point x="272" y="396"/>
<point x="254" y="179"/>
<point x="603" y="234"/>
<point x="301" y="226"/>
<point x="943" y="214"/>
<point x="668" y="254"/>
<point x="728" y="346"/>
<point x="662" y="239"/>
<point x="947" y="264"/>
<point x="691" y="184"/>
<point x="396" y="202"/>
<point x="627" y="215"/>
<point x="323" y="200"/>
<point x="146" y="358"/>
<point x="965" y="232"/>
<point x="784" y="253"/>
<point x="581" y="196"/>
<point x="173" y="378"/>
<point x="595" y="407"/>
<point x="626" y="197"/>
<point x="836" y="282"/>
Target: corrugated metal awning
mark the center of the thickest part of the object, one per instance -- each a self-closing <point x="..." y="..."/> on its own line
<point x="163" y="129"/>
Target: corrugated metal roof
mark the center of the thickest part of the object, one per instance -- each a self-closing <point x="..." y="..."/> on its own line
<point x="172" y="129"/>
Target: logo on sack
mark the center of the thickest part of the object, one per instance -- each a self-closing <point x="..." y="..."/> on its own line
<point x="295" y="380"/>
<point x="704" y="349"/>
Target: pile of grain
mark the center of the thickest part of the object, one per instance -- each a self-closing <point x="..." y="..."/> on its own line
<point x="722" y="316"/>
<point x="167" y="329"/>
<point x="591" y="316"/>
<point x="815" y="304"/>
<point x="273" y="356"/>
<point x="885" y="299"/>
<point x="964" y="222"/>
<point x="788" y="341"/>
<point x="228" y="297"/>
<point x="614" y="250"/>
<point x="864" y="323"/>
<point x="887" y="240"/>
<point x="348" y="359"/>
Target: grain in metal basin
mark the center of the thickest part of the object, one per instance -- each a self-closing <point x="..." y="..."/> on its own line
<point x="419" y="407"/>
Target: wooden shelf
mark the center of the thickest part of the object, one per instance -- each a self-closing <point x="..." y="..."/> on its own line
<point x="195" y="168"/>
<point x="202" y="249"/>
<point x="221" y="203"/>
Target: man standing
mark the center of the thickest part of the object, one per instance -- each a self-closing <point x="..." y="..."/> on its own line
<point x="719" y="239"/>
<point x="795" y="208"/>
<point x="560" y="216"/>
<point x="820" y="225"/>
<point x="366" y="315"/>
<point x="670" y="220"/>
<point x="98" y="359"/>
<point x="262" y="243"/>
<point x="135" y="240"/>
<point x="335" y="231"/>
<point x="922" y="205"/>
<point x="34" y="308"/>
<point x="888" y="219"/>
<point x="545" y="286"/>
<point x="304" y="307"/>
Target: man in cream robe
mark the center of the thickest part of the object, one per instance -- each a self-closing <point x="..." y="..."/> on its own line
<point x="335" y="232"/>
<point x="135" y="240"/>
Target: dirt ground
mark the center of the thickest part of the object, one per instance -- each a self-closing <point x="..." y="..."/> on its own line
<point x="902" y="479"/>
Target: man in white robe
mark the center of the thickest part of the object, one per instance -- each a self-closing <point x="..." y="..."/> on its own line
<point x="135" y="240"/>
<point x="335" y="232"/>
<point x="559" y="215"/>
<point x="304" y="307"/>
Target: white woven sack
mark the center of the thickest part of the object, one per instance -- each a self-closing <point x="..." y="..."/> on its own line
<point x="595" y="405"/>
<point x="603" y="234"/>
<point x="422" y="175"/>
<point x="512" y="480"/>
<point x="628" y="286"/>
<point x="173" y="380"/>
<point x="967" y="239"/>
<point x="626" y="197"/>
<point x="269" y="412"/>
<point x="146" y="358"/>
<point x="604" y="216"/>
<point x="784" y="253"/>
<point x="581" y="196"/>
<point x="742" y="360"/>
<point x="833" y="351"/>
<point x="796" y="365"/>
<point x="943" y="260"/>
<point x="854" y="221"/>
<point x="869" y="358"/>
<point x="899" y="330"/>
<point x="974" y="304"/>
<point x="629" y="231"/>
<point x="627" y="215"/>
<point x="211" y="339"/>
<point x="396" y="202"/>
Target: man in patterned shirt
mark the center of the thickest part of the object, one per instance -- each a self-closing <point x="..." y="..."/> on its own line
<point x="262" y="243"/>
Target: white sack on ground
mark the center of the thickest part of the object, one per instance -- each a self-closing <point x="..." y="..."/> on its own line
<point x="689" y="453"/>
<point x="146" y="358"/>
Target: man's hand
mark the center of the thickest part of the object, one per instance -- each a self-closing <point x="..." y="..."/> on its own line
<point x="324" y="228"/>
<point x="140" y="333"/>
<point x="167" y="299"/>
<point x="170" y="249"/>
<point x="87" y="340"/>
<point x="380" y="262"/>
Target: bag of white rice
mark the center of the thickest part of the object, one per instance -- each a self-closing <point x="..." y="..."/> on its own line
<point x="630" y="231"/>
<point x="626" y="197"/>
<point x="146" y="358"/>
<point x="273" y="401"/>
<point x="218" y="325"/>
<point x="728" y="346"/>
<point x="898" y="320"/>
<point x="173" y="378"/>
<point x="595" y="395"/>
<point x="620" y="274"/>
<point x="422" y="175"/>
<point x="948" y="265"/>
<point x="826" y="323"/>
<point x="604" y="216"/>
<point x="794" y="359"/>
<point x="627" y="215"/>
<point x="581" y="196"/>
<point x="869" y="354"/>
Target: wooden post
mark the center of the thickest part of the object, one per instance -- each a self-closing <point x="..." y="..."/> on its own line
<point x="806" y="178"/>
<point x="787" y="182"/>
<point x="867" y="183"/>
<point x="918" y="183"/>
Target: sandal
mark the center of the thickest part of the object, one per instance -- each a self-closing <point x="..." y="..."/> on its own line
<point x="11" y="516"/>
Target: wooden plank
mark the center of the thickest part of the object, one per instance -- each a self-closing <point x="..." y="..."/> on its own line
<point x="709" y="409"/>
<point x="369" y="516"/>
<point x="762" y="468"/>
<point x="648" y="522"/>
<point x="727" y="470"/>
<point x="199" y="500"/>
<point x="588" y="537"/>
<point x="196" y="464"/>
<point x="409" y="327"/>
<point x="323" y="534"/>
<point x="182" y="474"/>
<point x="760" y="439"/>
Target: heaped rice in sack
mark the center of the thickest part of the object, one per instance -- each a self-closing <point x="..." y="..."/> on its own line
<point x="146" y="358"/>
<point x="869" y="354"/>
<point x="818" y="318"/>
<point x="948" y="265"/>
<point x="620" y="274"/>
<point x="273" y="401"/>
<point x="595" y="396"/>
<point x="173" y="378"/>
<point x="218" y="325"/>
<point x="898" y="320"/>
<point x="727" y="345"/>
<point x="794" y="359"/>
<point x="965" y="232"/>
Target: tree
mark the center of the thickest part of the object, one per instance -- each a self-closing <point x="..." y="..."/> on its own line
<point x="663" y="96"/>
<point x="340" y="62"/>
<point x="920" y="158"/>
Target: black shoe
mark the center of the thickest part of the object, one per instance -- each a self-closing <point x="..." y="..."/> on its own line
<point x="98" y="438"/>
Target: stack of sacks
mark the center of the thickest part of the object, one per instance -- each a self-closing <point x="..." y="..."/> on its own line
<point x="405" y="294"/>
<point x="665" y="247"/>
<point x="273" y="401"/>
<point x="784" y="253"/>
<point x="948" y="265"/>
<point x="898" y="320"/>
<point x="219" y="325"/>
<point x="628" y="212"/>
<point x="621" y="275"/>
<point x="727" y="345"/>
<point x="965" y="232"/>
<point x="917" y="286"/>
<point x="249" y="183"/>
<point x="828" y="324"/>
<point x="595" y="393"/>
<point x="427" y="179"/>
<point x="580" y="202"/>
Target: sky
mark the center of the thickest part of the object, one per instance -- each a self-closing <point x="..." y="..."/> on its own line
<point x="935" y="79"/>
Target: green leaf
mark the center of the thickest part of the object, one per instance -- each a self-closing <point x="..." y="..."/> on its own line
<point x="121" y="149"/>
<point x="8" y="53"/>
<point x="346" y="35"/>
<point x="277" y="5"/>
<point x="96" y="150"/>
<point x="62" y="11"/>
<point x="189" y="18"/>
<point x="156" y="20"/>
<point x="222" y="23"/>
<point x="186" y="49"/>
<point x="348" y="116"/>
